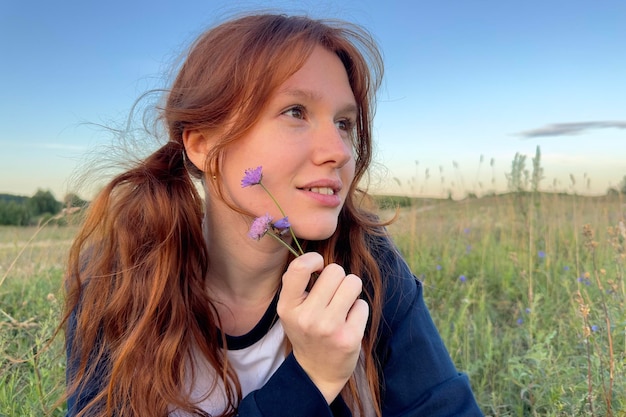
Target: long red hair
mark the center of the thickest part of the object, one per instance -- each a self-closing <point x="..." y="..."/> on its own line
<point x="137" y="269"/>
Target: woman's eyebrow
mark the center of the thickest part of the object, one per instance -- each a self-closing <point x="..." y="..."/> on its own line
<point x="301" y="93"/>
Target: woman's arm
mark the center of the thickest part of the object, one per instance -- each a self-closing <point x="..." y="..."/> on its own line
<point x="290" y="392"/>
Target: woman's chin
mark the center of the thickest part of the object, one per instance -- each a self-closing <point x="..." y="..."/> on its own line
<point x="315" y="231"/>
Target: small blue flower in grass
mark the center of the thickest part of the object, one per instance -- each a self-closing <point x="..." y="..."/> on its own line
<point x="594" y="328"/>
<point x="541" y="254"/>
<point x="527" y="310"/>
<point x="566" y="268"/>
<point x="438" y="267"/>
<point x="462" y="278"/>
<point x="252" y="176"/>
<point x="520" y="321"/>
<point x="260" y="226"/>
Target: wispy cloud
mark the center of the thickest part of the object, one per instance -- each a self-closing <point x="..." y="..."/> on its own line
<point x="566" y="129"/>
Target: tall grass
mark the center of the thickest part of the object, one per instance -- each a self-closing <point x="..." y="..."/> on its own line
<point x="527" y="290"/>
<point x="31" y="369"/>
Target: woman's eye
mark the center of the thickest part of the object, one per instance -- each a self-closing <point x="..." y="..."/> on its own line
<point x="345" y="124"/>
<point x="296" y="112"/>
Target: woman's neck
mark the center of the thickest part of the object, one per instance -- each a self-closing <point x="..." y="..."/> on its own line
<point x="241" y="269"/>
<point x="244" y="274"/>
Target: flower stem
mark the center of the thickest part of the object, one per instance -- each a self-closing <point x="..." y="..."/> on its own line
<point x="285" y="244"/>
<point x="293" y="235"/>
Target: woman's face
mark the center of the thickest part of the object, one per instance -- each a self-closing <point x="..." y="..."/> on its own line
<point x="303" y="142"/>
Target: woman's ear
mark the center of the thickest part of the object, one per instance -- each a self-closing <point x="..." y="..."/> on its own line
<point x="197" y="147"/>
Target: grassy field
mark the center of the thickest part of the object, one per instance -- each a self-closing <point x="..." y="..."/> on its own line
<point x="31" y="269"/>
<point x="527" y="290"/>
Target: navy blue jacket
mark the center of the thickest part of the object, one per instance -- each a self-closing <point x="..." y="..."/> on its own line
<point x="418" y="376"/>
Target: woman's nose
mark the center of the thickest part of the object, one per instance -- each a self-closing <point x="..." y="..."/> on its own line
<point x="332" y="146"/>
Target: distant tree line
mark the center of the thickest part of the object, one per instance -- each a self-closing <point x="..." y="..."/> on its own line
<point x="18" y="210"/>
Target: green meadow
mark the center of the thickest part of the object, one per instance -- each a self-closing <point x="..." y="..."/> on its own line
<point x="527" y="290"/>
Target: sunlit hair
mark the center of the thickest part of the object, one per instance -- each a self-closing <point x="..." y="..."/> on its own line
<point x="137" y="269"/>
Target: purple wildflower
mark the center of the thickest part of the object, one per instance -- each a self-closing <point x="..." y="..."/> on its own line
<point x="541" y="254"/>
<point x="282" y="223"/>
<point x="594" y="328"/>
<point x="527" y="310"/>
<point x="566" y="268"/>
<point x="260" y="227"/>
<point x="438" y="267"/>
<point x="520" y="321"/>
<point x="252" y="177"/>
<point x="462" y="278"/>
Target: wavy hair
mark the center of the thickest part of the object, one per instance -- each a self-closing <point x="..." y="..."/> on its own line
<point x="136" y="280"/>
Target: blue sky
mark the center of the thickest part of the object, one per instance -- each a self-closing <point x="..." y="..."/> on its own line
<point x="465" y="81"/>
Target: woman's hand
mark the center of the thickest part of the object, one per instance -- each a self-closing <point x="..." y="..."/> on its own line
<point x="325" y="326"/>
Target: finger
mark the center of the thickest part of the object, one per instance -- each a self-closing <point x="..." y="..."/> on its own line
<point x="297" y="277"/>
<point x="326" y="285"/>
<point x="344" y="297"/>
<point x="357" y="318"/>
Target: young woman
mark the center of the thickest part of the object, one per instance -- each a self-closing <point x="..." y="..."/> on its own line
<point x="173" y="310"/>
